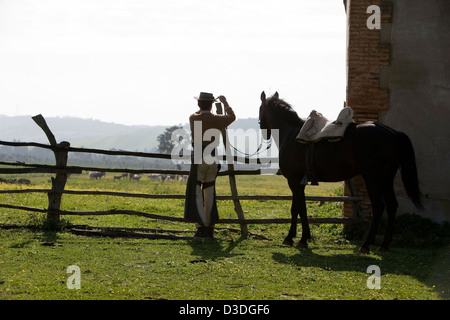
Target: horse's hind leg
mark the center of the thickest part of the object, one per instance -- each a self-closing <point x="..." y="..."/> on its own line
<point x="377" y="211"/>
<point x="306" y="233"/>
<point x="391" y="209"/>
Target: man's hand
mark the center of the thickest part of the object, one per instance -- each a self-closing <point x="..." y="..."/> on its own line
<point x="223" y="100"/>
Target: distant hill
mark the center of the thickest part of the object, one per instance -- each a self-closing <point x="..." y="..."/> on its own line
<point x="89" y="133"/>
<point x="79" y="132"/>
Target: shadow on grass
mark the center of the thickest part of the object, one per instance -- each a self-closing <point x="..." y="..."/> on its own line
<point x="428" y="265"/>
<point x="44" y="235"/>
<point x="439" y="275"/>
<point x="328" y="259"/>
<point x="212" y="249"/>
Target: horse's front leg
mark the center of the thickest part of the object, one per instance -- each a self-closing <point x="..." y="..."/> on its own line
<point x="293" y="229"/>
<point x="298" y="208"/>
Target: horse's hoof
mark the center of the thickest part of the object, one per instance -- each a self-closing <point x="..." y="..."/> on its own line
<point x="288" y="242"/>
<point x="302" y="245"/>
<point x="383" y="249"/>
<point x="363" y="250"/>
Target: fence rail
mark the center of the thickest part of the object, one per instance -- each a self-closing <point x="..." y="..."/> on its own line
<point x="62" y="170"/>
<point x="182" y="196"/>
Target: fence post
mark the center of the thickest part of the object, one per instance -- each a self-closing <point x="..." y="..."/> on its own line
<point x="237" y="203"/>
<point x="232" y="178"/>
<point x="59" y="181"/>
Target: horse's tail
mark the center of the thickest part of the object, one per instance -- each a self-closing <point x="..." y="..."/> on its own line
<point x="408" y="169"/>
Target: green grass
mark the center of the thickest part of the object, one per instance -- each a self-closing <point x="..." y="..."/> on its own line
<point x="33" y="260"/>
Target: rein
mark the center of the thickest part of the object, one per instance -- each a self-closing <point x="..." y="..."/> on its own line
<point x="257" y="152"/>
<point x="246" y="155"/>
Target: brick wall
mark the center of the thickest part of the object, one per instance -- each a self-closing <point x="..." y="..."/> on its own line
<point x="368" y="50"/>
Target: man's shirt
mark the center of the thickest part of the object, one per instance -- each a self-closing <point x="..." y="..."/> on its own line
<point x="211" y="121"/>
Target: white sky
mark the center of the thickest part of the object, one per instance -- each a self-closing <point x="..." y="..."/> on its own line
<point x="143" y="61"/>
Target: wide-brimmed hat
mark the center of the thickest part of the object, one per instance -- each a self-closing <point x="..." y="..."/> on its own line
<point x="205" y="96"/>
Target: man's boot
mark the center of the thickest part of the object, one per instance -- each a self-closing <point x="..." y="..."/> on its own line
<point x="201" y="232"/>
<point x="209" y="231"/>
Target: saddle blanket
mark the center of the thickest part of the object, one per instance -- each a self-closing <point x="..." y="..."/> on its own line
<point x="317" y="127"/>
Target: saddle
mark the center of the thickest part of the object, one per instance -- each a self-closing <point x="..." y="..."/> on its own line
<point x="317" y="128"/>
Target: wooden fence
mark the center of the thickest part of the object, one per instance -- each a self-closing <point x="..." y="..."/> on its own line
<point x="62" y="170"/>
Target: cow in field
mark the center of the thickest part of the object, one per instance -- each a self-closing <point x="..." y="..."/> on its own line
<point x="121" y="176"/>
<point x="136" y="177"/>
<point x="96" y="175"/>
<point x="155" y="176"/>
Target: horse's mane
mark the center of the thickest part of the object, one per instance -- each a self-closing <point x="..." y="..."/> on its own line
<point x="285" y="110"/>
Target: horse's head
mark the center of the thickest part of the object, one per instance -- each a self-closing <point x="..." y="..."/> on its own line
<point x="277" y="114"/>
<point x="264" y="120"/>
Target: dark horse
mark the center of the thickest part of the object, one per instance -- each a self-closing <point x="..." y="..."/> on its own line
<point x="370" y="149"/>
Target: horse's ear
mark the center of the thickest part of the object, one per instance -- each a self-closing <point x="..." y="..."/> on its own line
<point x="263" y="96"/>
<point x="276" y="94"/>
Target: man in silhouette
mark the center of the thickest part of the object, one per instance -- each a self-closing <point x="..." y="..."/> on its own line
<point x="200" y="205"/>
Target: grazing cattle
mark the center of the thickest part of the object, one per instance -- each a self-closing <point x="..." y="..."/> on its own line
<point x="20" y="181"/>
<point x="155" y="176"/>
<point x="23" y="181"/>
<point x="136" y="177"/>
<point x="167" y="177"/>
<point x="121" y="176"/>
<point x="96" y="175"/>
<point x="8" y="180"/>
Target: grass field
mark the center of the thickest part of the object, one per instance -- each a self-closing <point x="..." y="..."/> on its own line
<point x="34" y="260"/>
